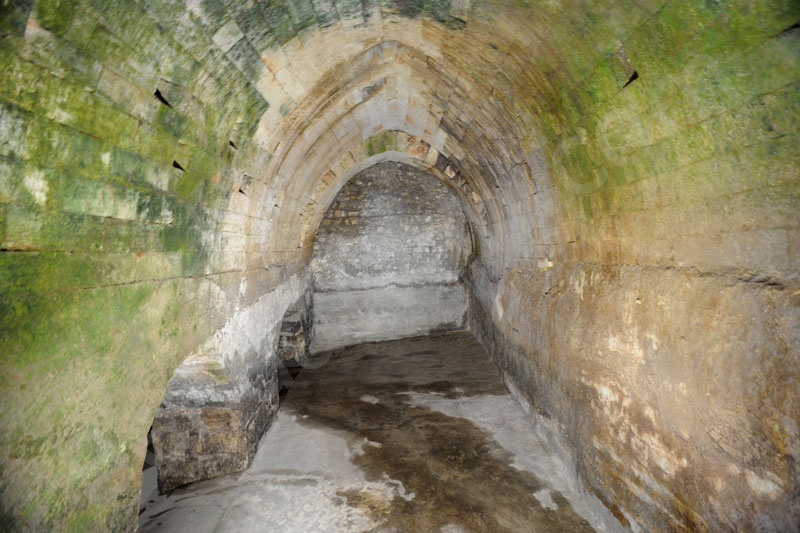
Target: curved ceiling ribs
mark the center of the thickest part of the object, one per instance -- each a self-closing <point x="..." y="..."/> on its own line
<point x="392" y="145"/>
<point x="409" y="97"/>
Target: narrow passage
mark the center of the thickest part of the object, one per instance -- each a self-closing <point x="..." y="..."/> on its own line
<point x="416" y="435"/>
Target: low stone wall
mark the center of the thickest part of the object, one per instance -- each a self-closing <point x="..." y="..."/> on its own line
<point x="210" y="423"/>
<point x="220" y="402"/>
<point x="350" y="317"/>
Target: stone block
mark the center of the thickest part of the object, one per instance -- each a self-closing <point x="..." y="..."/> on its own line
<point x="133" y="99"/>
<point x="211" y="420"/>
<point x="794" y="249"/>
<point x="296" y="332"/>
<point x="195" y="444"/>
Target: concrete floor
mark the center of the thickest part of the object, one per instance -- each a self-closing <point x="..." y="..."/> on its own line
<point x="411" y="435"/>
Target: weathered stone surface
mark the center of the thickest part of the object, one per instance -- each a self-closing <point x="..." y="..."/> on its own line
<point x="218" y="433"/>
<point x="390" y="312"/>
<point x="388" y="258"/>
<point x="647" y="376"/>
<point x="296" y="332"/>
<point x="217" y="406"/>
<point x="135" y="232"/>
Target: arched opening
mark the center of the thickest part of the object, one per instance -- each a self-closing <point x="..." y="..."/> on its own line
<point x="389" y="258"/>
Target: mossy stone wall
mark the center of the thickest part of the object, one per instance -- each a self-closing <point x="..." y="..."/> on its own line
<point x="161" y="162"/>
<point x="108" y="276"/>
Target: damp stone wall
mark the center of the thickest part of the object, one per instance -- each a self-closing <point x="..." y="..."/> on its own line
<point x="630" y="172"/>
<point x="388" y="259"/>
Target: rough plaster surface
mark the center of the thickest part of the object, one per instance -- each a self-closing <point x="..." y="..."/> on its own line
<point x="388" y="258"/>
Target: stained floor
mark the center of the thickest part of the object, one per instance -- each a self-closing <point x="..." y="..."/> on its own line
<point x="417" y="435"/>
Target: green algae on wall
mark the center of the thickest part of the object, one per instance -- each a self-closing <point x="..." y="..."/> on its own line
<point x="103" y="245"/>
<point x="383" y="142"/>
<point x="67" y="361"/>
<point x="686" y="169"/>
<point x="80" y="392"/>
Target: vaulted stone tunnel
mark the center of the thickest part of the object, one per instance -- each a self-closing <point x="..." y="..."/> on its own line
<point x="627" y="172"/>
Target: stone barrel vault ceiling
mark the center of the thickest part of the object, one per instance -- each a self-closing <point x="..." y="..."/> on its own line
<point x="629" y="168"/>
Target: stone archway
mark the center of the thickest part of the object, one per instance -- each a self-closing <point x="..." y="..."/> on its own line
<point x="389" y="259"/>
